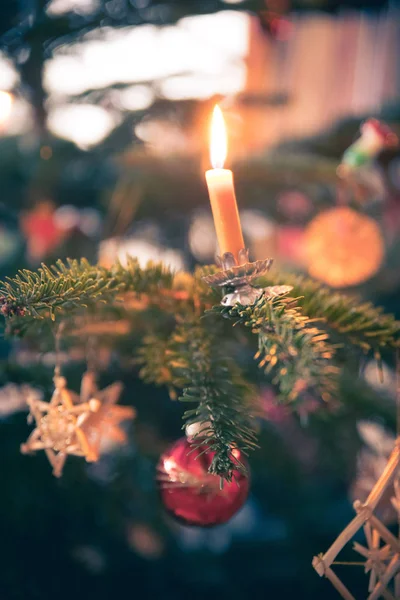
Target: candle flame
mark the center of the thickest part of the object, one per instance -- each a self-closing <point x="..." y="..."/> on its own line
<point x="219" y="143"/>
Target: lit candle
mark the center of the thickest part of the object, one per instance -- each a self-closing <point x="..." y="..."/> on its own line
<point x="222" y="191"/>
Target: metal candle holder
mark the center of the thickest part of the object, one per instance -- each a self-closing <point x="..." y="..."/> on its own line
<point x="238" y="276"/>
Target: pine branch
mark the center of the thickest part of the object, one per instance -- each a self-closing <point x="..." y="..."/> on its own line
<point x="62" y="289"/>
<point x="154" y="356"/>
<point x="77" y="284"/>
<point x="223" y="397"/>
<point x="193" y="358"/>
<point x="297" y="354"/>
<point x="180" y="350"/>
<point x="361" y="324"/>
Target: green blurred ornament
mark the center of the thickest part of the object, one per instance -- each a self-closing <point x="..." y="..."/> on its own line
<point x="10" y="243"/>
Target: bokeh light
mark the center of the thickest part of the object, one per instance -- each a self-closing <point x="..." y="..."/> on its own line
<point x="193" y="45"/>
<point x="202" y="238"/>
<point x="136" y="97"/>
<point x="86" y="124"/>
<point x="8" y="74"/>
<point x="81" y="7"/>
<point x="6" y="103"/>
<point x="116" y="249"/>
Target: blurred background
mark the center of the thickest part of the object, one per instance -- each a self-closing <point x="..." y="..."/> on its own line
<point x="104" y="124"/>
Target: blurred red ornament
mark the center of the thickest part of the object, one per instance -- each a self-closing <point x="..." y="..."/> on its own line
<point x="291" y="243"/>
<point x="294" y="204"/>
<point x="273" y="21"/>
<point x="40" y="230"/>
<point x="191" y="494"/>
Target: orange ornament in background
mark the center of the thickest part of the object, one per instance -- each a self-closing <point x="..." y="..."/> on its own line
<point x="343" y="247"/>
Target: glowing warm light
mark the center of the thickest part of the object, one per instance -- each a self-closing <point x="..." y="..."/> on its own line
<point x="136" y="97"/>
<point x="222" y="192"/>
<point x="81" y="7"/>
<point x="84" y="124"/>
<point x="218" y="142"/>
<point x="169" y="465"/>
<point x="8" y="75"/>
<point x="112" y="249"/>
<point x="6" y="102"/>
<point x="212" y="64"/>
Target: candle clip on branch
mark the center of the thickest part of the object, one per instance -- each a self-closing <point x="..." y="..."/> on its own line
<point x="238" y="279"/>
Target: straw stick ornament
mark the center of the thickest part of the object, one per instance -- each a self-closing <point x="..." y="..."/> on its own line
<point x="381" y="561"/>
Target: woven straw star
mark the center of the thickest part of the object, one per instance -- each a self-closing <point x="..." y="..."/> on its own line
<point x="75" y="425"/>
<point x="103" y="427"/>
<point x="59" y="423"/>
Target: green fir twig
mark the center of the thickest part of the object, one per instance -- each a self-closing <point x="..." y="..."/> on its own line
<point x="225" y="403"/>
<point x="296" y="354"/>
<point x="360" y="323"/>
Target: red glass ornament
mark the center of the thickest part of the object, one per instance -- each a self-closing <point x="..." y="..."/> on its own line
<point x="191" y="494"/>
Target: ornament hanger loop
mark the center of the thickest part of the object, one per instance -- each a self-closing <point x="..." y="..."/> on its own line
<point x="57" y="347"/>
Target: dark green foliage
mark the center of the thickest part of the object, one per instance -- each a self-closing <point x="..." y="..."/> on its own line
<point x="77" y="284"/>
<point x="361" y="324"/>
<point x="223" y="398"/>
<point x="179" y="349"/>
<point x="62" y="287"/>
<point x="193" y="359"/>
<point x="156" y="368"/>
<point x="296" y="354"/>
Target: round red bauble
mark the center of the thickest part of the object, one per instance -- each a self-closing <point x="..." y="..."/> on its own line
<point x="191" y="494"/>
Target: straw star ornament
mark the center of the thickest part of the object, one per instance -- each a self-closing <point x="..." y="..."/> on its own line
<point x="103" y="427"/>
<point x="72" y="424"/>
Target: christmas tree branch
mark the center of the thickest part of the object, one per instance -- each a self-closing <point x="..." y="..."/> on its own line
<point x="154" y="356"/>
<point x="77" y="284"/>
<point x="181" y="350"/>
<point x="361" y="324"/>
<point x="290" y="348"/>
<point x="214" y="383"/>
<point x="194" y="358"/>
<point x="67" y="289"/>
